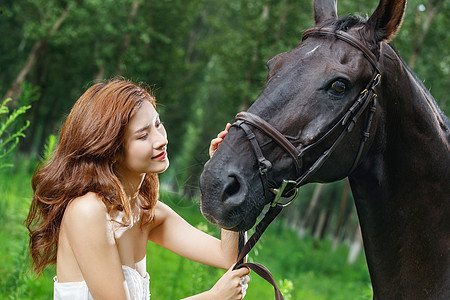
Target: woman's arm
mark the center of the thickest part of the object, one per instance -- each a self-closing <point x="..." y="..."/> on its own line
<point x="91" y="239"/>
<point x="175" y="234"/>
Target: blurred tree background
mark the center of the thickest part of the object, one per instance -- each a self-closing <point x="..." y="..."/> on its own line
<point x="204" y="60"/>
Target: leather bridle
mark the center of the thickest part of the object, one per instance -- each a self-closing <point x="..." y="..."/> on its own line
<point x="289" y="188"/>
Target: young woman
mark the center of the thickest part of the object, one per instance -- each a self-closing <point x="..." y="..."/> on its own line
<point x="95" y="203"/>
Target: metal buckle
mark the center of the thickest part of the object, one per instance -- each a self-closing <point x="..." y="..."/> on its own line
<point x="376" y="80"/>
<point x="287" y="186"/>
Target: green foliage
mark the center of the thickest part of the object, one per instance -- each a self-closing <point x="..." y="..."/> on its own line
<point x="15" y="198"/>
<point x="9" y="140"/>
<point x="304" y="269"/>
<point x="286" y="287"/>
<point x="30" y="94"/>
<point x="50" y="145"/>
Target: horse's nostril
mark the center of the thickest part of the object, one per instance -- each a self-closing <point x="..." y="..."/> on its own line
<point x="234" y="191"/>
<point x="232" y="187"/>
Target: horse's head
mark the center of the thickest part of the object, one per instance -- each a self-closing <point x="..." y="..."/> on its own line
<point x="311" y="96"/>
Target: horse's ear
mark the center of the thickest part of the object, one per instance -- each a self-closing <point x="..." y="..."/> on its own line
<point x="386" y="20"/>
<point x="325" y="10"/>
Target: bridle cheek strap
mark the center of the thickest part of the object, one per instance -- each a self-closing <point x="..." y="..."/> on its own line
<point x="272" y="132"/>
<point x="264" y="164"/>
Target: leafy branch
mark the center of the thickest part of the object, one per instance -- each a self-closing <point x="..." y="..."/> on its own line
<point x="9" y="141"/>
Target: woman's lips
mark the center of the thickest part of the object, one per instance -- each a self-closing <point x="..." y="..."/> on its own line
<point x="160" y="156"/>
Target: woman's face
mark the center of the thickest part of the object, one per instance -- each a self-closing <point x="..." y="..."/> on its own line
<point x="145" y="143"/>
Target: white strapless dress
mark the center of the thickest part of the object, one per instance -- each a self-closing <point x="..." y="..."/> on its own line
<point x="138" y="287"/>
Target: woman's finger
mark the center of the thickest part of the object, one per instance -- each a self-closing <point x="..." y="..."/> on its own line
<point x="216" y="141"/>
<point x="241" y="272"/>
<point x="213" y="146"/>
<point x="223" y="133"/>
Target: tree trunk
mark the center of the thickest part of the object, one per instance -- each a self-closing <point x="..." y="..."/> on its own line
<point x="341" y="214"/>
<point x="347" y="231"/>
<point x="318" y="231"/>
<point x="355" y="246"/>
<point x="312" y="204"/>
<point x="250" y="74"/>
<point x="100" y="73"/>
<point x="324" y="219"/>
<point x="282" y="20"/>
<point x="127" y="38"/>
<point x="15" y="89"/>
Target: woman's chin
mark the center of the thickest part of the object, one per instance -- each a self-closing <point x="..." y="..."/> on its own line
<point x="160" y="168"/>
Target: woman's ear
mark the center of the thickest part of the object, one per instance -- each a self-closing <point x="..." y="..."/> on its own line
<point x="118" y="157"/>
<point x="325" y="10"/>
<point x="386" y="20"/>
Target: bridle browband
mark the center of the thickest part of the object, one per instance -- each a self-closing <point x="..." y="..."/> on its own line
<point x="289" y="188"/>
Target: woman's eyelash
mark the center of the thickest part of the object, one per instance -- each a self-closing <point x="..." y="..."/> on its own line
<point x="143" y="137"/>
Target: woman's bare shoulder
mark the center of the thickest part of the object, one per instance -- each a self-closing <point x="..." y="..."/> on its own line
<point x="89" y="208"/>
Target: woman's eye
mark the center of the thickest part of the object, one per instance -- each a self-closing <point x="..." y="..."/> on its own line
<point x="143" y="137"/>
<point x="338" y="86"/>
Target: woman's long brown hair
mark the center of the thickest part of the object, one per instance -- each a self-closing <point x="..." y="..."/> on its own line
<point x="91" y="139"/>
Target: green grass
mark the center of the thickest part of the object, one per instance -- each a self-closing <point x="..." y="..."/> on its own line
<point x="304" y="269"/>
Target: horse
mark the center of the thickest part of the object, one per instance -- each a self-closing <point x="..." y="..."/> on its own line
<point x="341" y="104"/>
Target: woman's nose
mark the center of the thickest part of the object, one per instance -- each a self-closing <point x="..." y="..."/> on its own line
<point x="160" y="139"/>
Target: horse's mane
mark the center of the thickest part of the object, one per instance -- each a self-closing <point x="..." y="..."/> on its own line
<point x="444" y="120"/>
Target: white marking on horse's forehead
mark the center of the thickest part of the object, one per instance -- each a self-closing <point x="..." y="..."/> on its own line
<point x="311" y="52"/>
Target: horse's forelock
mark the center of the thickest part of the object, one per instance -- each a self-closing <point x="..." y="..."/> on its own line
<point x="348" y="22"/>
<point x="345" y="23"/>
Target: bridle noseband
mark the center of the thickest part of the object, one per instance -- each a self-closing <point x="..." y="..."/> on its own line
<point x="289" y="188"/>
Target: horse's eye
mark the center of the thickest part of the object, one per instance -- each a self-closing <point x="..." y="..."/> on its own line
<point x="338" y="86"/>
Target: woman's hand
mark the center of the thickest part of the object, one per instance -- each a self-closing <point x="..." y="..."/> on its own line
<point x="232" y="285"/>
<point x="216" y="142"/>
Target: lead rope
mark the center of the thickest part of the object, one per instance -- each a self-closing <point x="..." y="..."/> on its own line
<point x="259" y="269"/>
